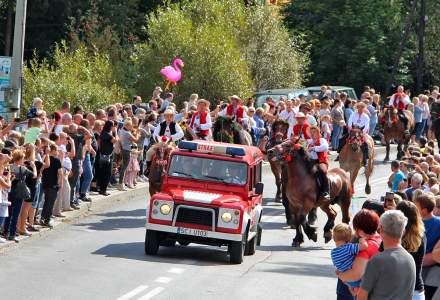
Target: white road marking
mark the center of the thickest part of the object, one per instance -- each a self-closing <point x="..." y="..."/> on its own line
<point x="133" y="293"/>
<point x="176" y="270"/>
<point x="152" y="293"/>
<point x="376" y="180"/>
<point x="163" y="279"/>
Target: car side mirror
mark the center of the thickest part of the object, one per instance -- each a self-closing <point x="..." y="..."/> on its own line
<point x="259" y="187"/>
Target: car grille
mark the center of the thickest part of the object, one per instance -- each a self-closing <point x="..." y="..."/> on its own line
<point x="194" y="216"/>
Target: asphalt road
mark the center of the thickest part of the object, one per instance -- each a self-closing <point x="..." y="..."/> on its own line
<point x="102" y="257"/>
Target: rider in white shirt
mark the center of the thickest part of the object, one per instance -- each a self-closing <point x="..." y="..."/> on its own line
<point x="359" y="120"/>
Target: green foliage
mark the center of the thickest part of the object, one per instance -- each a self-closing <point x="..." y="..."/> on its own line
<point x="80" y="76"/>
<point x="222" y="53"/>
<point x="432" y="71"/>
<point x="352" y="42"/>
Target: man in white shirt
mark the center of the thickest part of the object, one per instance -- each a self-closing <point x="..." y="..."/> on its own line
<point x="288" y="114"/>
<point x="359" y="120"/>
<point x="400" y="101"/>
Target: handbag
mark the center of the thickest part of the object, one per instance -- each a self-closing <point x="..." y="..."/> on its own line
<point x="21" y="189"/>
<point x="105" y="159"/>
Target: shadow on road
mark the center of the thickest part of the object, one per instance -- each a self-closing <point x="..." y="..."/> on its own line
<point x="114" y="224"/>
<point x="187" y="255"/>
<point x="305" y="269"/>
<point x="125" y="213"/>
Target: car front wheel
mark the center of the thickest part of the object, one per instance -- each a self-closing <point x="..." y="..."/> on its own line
<point x="151" y="242"/>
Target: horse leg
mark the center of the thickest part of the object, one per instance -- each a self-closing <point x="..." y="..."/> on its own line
<point x="387" y="156"/>
<point x="399" y="150"/>
<point x="344" y="201"/>
<point x="278" y="195"/>
<point x="368" y="170"/>
<point x="331" y="215"/>
<point x="298" y="219"/>
<point x="312" y="217"/>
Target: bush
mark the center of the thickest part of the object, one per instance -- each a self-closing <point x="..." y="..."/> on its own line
<point x="82" y="76"/>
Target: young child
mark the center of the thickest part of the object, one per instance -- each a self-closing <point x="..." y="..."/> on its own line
<point x="37" y="106"/>
<point x="133" y="167"/>
<point x="345" y="252"/>
<point x="326" y="128"/>
<point x="33" y="132"/>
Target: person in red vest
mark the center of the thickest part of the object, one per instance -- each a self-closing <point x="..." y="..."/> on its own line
<point x="300" y="128"/>
<point x="400" y="101"/>
<point x="201" y="122"/>
<point x="318" y="149"/>
<point x="235" y="110"/>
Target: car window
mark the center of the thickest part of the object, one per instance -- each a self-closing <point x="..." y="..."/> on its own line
<point x="207" y="169"/>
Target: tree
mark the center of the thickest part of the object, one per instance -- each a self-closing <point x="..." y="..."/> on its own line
<point x="80" y="76"/>
<point x="352" y="42"/>
<point x="228" y="48"/>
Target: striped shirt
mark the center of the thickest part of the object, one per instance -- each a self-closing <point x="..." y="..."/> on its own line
<point x="344" y="255"/>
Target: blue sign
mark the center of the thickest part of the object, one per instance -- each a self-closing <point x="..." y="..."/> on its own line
<point x="5" y="71"/>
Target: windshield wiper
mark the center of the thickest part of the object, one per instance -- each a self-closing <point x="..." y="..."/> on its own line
<point x="182" y="173"/>
<point x="215" y="178"/>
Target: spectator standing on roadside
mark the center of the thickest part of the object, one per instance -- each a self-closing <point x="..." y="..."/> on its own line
<point x="20" y="172"/>
<point x="337" y="115"/>
<point x="106" y="142"/>
<point x="5" y="185"/>
<point x="51" y="181"/>
<point x="391" y="274"/>
<point x="414" y="241"/>
<point x="127" y="138"/>
<point x="396" y="177"/>
<point x="431" y="273"/>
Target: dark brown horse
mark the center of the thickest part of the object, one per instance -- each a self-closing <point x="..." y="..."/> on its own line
<point x="278" y="135"/>
<point x="351" y="157"/>
<point x="394" y="130"/>
<point x="227" y="130"/>
<point x="302" y="191"/>
<point x="162" y="151"/>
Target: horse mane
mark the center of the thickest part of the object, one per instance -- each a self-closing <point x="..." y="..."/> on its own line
<point x="305" y="157"/>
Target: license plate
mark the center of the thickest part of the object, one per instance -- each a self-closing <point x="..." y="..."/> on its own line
<point x="192" y="231"/>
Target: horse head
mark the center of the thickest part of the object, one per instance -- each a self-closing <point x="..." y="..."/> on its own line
<point x="162" y="152"/>
<point x="390" y="115"/>
<point x="286" y="151"/>
<point x="355" y="140"/>
<point x="224" y="130"/>
<point x="279" y="131"/>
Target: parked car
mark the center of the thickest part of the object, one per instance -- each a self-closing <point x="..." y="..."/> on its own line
<point x="260" y="97"/>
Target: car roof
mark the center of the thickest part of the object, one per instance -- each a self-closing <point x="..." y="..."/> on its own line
<point x="286" y="91"/>
<point x="252" y="154"/>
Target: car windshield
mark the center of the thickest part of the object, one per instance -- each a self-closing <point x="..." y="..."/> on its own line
<point x="208" y="169"/>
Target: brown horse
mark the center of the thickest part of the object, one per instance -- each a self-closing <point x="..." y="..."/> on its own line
<point x="351" y="157"/>
<point x="278" y="135"/>
<point x="394" y="130"/>
<point x="158" y="167"/>
<point x="302" y="191"/>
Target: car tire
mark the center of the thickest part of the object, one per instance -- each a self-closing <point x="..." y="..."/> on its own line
<point x="237" y="249"/>
<point x="182" y="243"/>
<point x="251" y="246"/>
<point x="259" y="234"/>
<point x="168" y="243"/>
<point x="151" y="242"/>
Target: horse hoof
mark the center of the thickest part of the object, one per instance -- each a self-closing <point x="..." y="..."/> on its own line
<point x="311" y="234"/>
<point x="289" y="221"/>
<point x="368" y="189"/>
<point x="327" y="237"/>
<point x="278" y="200"/>
<point x="386" y="159"/>
<point x="296" y="244"/>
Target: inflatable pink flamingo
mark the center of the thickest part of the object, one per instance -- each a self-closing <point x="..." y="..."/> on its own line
<point x="172" y="73"/>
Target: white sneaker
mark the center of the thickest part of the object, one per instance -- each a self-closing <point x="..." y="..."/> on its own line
<point x="140" y="179"/>
<point x="2" y="240"/>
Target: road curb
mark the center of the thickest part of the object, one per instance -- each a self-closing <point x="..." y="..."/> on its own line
<point x="99" y="203"/>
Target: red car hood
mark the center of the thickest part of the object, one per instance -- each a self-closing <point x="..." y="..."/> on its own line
<point x="203" y="197"/>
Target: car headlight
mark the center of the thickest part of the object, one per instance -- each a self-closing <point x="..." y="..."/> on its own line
<point x="165" y="209"/>
<point x="227" y="217"/>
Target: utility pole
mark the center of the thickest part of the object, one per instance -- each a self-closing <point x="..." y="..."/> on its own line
<point x="421" y="36"/>
<point x="15" y="93"/>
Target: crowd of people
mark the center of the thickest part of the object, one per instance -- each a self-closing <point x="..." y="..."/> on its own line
<point x="51" y="166"/>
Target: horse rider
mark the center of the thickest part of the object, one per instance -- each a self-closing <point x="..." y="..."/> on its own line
<point x="318" y="150"/>
<point x="300" y="128"/>
<point x="167" y="130"/>
<point x="201" y="123"/>
<point x="400" y="101"/>
<point x="359" y="121"/>
<point x="235" y="110"/>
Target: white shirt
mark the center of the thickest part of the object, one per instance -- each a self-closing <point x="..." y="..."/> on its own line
<point x="224" y="113"/>
<point x="323" y="147"/>
<point x="175" y="137"/>
<point x="289" y="117"/>
<point x="206" y="126"/>
<point x="405" y="100"/>
<point x="360" y="121"/>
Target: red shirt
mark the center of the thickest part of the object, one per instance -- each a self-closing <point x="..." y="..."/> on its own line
<point x="372" y="249"/>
